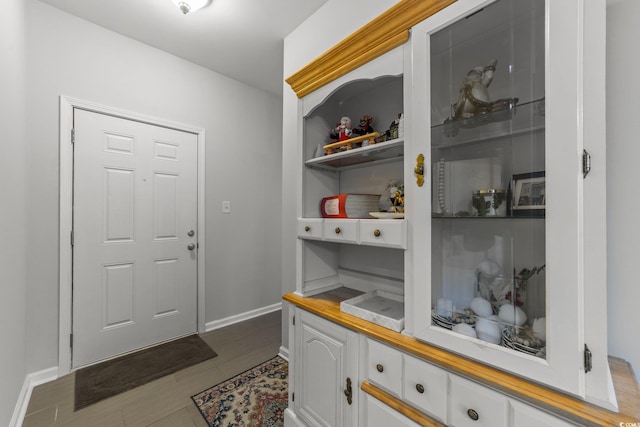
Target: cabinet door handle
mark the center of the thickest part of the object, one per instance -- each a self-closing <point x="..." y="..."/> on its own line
<point x="473" y="414"/>
<point x="376" y="232"/>
<point x="338" y="230"/>
<point x="419" y="170"/>
<point x="349" y="391"/>
<point x="307" y="228"/>
<point x="420" y="388"/>
<point x="379" y="367"/>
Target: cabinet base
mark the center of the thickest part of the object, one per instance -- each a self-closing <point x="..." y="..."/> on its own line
<point x="291" y="420"/>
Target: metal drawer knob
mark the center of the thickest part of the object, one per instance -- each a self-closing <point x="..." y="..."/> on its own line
<point x="376" y="232"/>
<point x="307" y="228"/>
<point x="420" y="388"/>
<point x="338" y="230"/>
<point x="379" y="367"/>
<point x="473" y="414"/>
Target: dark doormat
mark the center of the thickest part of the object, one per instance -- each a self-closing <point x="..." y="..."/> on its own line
<point x="114" y="376"/>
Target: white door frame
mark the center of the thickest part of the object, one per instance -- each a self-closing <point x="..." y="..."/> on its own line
<point x="67" y="104"/>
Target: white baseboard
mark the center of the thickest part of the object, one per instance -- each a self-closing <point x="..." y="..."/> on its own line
<point x="291" y="419"/>
<point x="30" y="382"/>
<point x="217" y="324"/>
<point x="284" y="353"/>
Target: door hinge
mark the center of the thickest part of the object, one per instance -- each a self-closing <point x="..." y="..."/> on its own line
<point x="71" y="340"/>
<point x="294" y="320"/>
<point x="73" y="136"/>
<point x="72" y="238"/>
<point x="293" y="397"/>
<point x="586" y="163"/>
<point x="588" y="359"/>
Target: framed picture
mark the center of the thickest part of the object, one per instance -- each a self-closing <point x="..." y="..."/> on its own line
<point x="529" y="194"/>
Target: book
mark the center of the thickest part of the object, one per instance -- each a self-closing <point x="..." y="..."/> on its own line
<point x="349" y="205"/>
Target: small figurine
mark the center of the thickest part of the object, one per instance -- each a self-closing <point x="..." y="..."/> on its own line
<point x="365" y="126"/>
<point x="474" y="94"/>
<point x="342" y="131"/>
<point x="396" y="195"/>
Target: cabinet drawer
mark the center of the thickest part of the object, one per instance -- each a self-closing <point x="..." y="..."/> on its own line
<point x="380" y="415"/>
<point x="384" y="232"/>
<point x="384" y="367"/>
<point x="527" y="416"/>
<point x="341" y="230"/>
<point x="426" y="387"/>
<point x="310" y="228"/>
<point x="474" y="405"/>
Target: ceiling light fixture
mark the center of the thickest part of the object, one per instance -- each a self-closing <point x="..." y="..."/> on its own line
<point x="187" y="6"/>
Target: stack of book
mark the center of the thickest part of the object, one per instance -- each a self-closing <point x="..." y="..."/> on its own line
<point x="349" y="205"/>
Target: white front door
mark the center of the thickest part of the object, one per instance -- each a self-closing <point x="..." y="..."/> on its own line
<point x="134" y="233"/>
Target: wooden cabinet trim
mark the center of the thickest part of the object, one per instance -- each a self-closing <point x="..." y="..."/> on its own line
<point x="384" y="33"/>
<point x="545" y="398"/>
<point x="399" y="406"/>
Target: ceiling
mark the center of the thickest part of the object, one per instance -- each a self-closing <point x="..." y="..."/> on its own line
<point x="241" y="39"/>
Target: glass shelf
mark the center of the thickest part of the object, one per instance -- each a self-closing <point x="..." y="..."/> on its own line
<point x="487" y="218"/>
<point x="520" y="119"/>
<point x="380" y="152"/>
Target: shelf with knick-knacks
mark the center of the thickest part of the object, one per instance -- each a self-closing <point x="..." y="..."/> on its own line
<point x="377" y="152"/>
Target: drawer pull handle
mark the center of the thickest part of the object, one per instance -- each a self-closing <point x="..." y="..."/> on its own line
<point x="420" y="388"/>
<point x="376" y="232"/>
<point x="338" y="230"/>
<point x="379" y="367"/>
<point x="307" y="228"/>
<point x="473" y="414"/>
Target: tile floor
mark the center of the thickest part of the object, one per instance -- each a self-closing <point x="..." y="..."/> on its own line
<point x="165" y="402"/>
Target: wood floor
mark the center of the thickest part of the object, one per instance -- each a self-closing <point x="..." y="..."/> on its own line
<point x="165" y="402"/>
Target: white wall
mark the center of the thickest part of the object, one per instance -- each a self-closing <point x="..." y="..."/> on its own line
<point x="623" y="200"/>
<point x="13" y="208"/>
<point x="69" y="56"/>
<point x="324" y="29"/>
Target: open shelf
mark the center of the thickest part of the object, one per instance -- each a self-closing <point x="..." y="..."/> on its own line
<point x="380" y="152"/>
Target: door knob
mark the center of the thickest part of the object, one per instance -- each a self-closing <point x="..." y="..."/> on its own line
<point x="191" y="233"/>
<point x="191" y="246"/>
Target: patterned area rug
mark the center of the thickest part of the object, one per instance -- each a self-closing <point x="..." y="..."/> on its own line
<point x="255" y="398"/>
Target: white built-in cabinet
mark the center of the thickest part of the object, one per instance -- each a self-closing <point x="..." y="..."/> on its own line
<point x="504" y="201"/>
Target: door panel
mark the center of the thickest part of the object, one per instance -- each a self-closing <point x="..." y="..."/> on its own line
<point x="135" y="200"/>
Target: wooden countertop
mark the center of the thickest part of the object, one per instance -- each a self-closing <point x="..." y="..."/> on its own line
<point x="327" y="305"/>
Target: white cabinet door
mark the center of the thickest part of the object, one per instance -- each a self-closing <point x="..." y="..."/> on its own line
<point x="380" y="415"/>
<point x="326" y="381"/>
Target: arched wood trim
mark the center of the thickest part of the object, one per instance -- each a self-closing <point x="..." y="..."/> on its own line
<point x="389" y="30"/>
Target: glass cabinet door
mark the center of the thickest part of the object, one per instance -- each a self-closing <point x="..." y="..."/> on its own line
<point x="488" y="176"/>
<point x="500" y="266"/>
